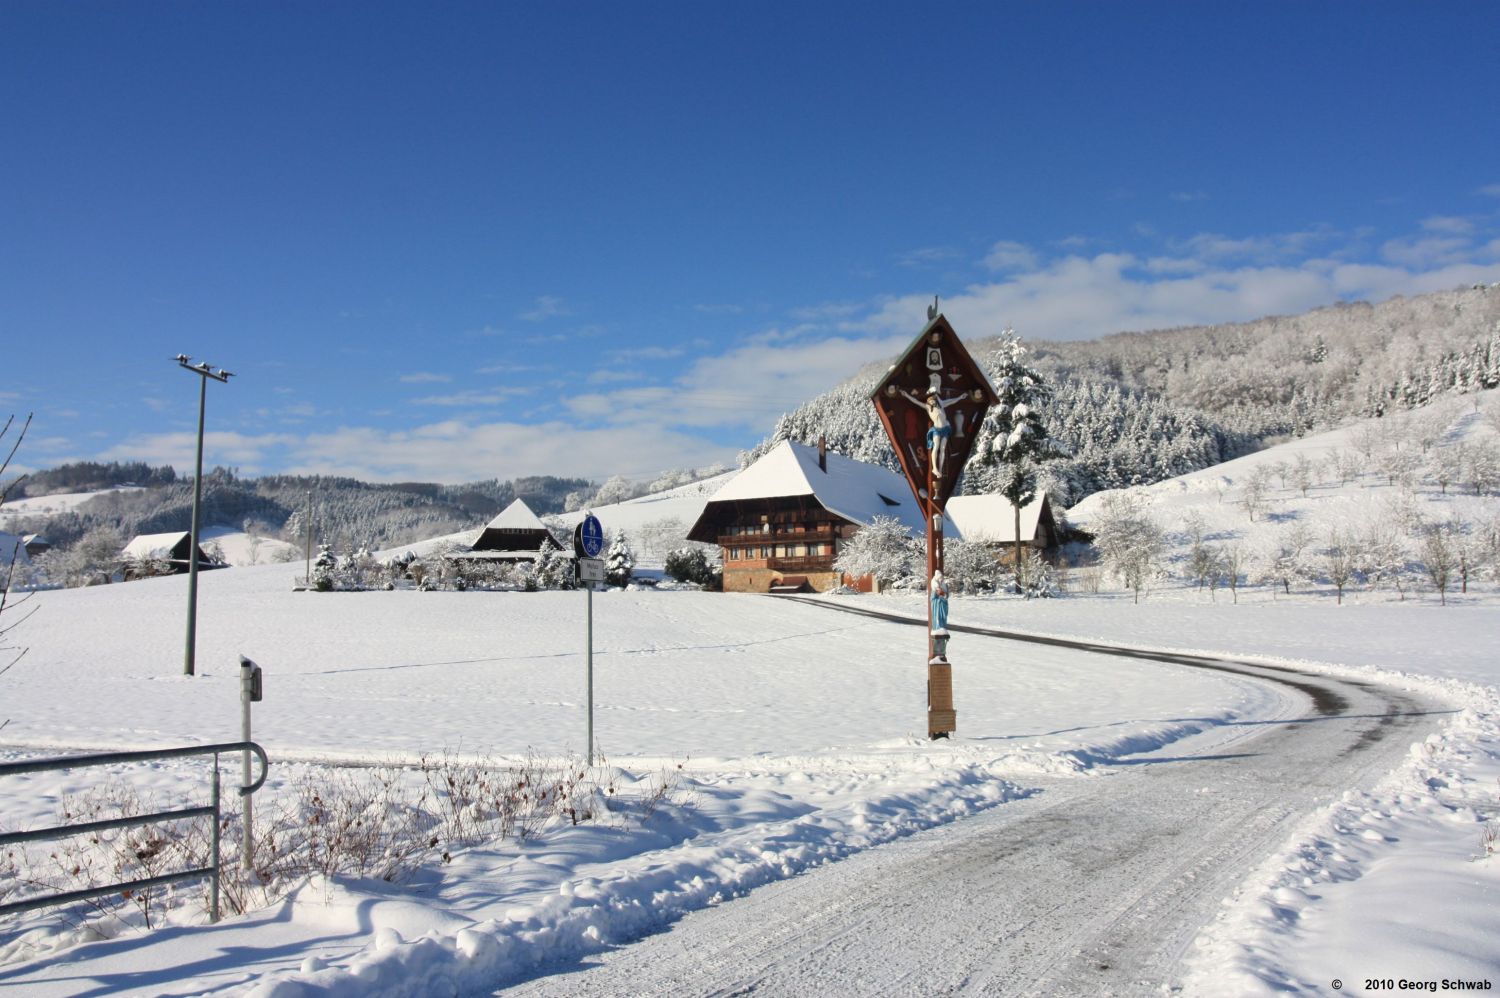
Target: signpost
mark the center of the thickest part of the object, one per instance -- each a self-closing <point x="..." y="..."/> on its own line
<point x="588" y="541"/>
<point x="931" y="403"/>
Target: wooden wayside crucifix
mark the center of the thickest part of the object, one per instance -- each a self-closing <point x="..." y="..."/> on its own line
<point x="931" y="403"/>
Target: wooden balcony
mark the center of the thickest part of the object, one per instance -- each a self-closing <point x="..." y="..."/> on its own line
<point x="809" y="563"/>
<point x="827" y="532"/>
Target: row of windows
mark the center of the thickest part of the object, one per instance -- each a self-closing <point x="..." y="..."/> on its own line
<point x="757" y="551"/>
<point x="734" y="530"/>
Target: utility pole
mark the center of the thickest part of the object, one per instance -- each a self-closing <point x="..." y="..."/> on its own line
<point x="307" y="572"/>
<point x="204" y="371"/>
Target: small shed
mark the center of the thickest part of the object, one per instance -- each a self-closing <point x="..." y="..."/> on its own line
<point x="36" y="544"/>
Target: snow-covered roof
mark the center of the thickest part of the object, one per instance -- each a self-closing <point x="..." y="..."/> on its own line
<point x="154" y="545"/>
<point x="857" y="491"/>
<point x="990" y="519"/>
<point x="516" y="516"/>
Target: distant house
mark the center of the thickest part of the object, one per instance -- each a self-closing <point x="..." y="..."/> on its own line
<point x="515" y="535"/>
<point x="781" y="523"/>
<point x="36" y="544"/>
<point x="169" y="550"/>
<point x="991" y="520"/>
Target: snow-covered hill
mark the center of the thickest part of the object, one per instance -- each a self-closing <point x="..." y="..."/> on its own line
<point x="1364" y="502"/>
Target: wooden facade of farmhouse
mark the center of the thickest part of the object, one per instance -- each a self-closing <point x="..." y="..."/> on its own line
<point x="765" y="543"/>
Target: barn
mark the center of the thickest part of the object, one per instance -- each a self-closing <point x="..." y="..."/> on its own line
<point x="517" y="534"/>
<point x="169" y="549"/>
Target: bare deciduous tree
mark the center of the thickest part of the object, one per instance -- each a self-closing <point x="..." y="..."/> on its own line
<point x="1341" y="559"/>
<point x="1129" y="539"/>
<point x="1439" y="556"/>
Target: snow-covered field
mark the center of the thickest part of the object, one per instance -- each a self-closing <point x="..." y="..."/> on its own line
<point x="797" y="732"/>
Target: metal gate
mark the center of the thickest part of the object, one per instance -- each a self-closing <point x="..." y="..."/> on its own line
<point x="115" y="758"/>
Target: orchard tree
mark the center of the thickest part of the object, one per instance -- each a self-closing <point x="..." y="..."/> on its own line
<point x="1341" y="559"/>
<point x="1129" y="539"/>
<point x="1438" y="547"/>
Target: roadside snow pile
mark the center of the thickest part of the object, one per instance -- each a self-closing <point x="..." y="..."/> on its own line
<point x="614" y="899"/>
<point x="1344" y="903"/>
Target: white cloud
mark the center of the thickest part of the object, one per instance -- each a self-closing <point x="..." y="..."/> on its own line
<point x="1006" y="255"/>
<point x="1185" y="197"/>
<point x="1426" y="251"/>
<point x="748" y="386"/>
<point x="424" y="378"/>
<point x="827" y="311"/>
<point x="1490" y="190"/>
<point x="546" y="307"/>
<point x="927" y="256"/>
<point x="610" y="375"/>
<point x="249" y="452"/>
<point x="630" y="355"/>
<point x="1455" y="224"/>
<point x="448" y="451"/>
<point x="474" y="397"/>
<point x="1087" y="297"/>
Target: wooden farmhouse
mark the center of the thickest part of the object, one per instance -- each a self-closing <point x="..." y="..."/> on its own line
<point x="169" y="550"/>
<point x="513" y="536"/>
<point x="781" y="522"/>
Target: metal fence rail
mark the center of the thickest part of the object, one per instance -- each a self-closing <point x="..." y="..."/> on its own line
<point x="115" y="758"/>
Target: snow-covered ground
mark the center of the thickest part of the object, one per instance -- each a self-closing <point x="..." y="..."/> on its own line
<point x="797" y="732"/>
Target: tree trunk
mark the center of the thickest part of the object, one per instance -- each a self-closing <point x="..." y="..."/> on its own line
<point x="1020" y="568"/>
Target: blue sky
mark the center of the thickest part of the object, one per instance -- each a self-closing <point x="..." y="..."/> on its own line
<point x="462" y="241"/>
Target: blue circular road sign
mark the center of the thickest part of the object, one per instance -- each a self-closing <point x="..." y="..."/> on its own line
<point x="591" y="535"/>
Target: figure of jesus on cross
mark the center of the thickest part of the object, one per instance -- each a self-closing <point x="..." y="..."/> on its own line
<point x="940" y="430"/>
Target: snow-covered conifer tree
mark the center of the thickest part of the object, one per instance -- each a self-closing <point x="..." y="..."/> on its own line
<point x="1019" y="437"/>
<point x="619" y="561"/>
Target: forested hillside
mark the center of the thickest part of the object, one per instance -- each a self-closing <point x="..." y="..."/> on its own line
<point x="347" y="513"/>
<point x="1136" y="408"/>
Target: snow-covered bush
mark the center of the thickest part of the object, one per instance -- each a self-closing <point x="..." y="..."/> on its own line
<point x="884" y="550"/>
<point x="970" y="567"/>
<point x="692" y="564"/>
<point x="1039" y="581"/>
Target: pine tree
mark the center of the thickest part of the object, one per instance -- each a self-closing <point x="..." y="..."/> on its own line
<point x="619" y="561"/>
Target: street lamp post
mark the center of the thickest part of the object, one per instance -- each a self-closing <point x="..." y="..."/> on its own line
<point x="204" y="371"/>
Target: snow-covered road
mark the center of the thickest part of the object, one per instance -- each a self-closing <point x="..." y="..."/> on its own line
<point x="1086" y="887"/>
